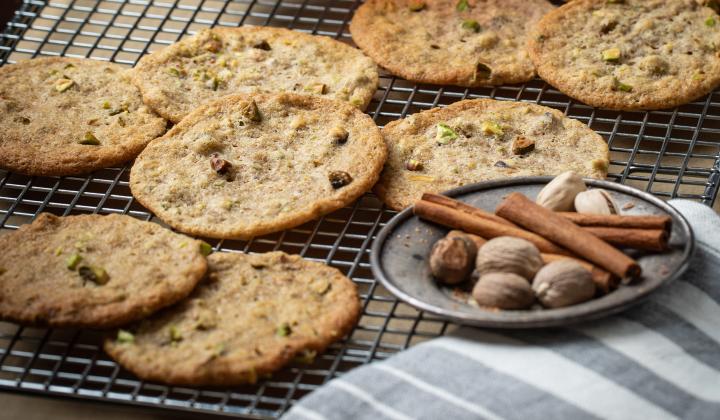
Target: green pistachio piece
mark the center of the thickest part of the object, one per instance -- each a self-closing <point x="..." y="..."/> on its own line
<point x="283" y="330"/>
<point x="414" y="165"/>
<point x="710" y="22"/>
<point x="175" y="334"/>
<point x="618" y="85"/>
<point x="416" y="6"/>
<point x="305" y="357"/>
<point x="106" y="105"/>
<point x="72" y="261"/>
<point x="462" y="6"/>
<point x="611" y="54"/>
<point x="58" y="251"/>
<point x="205" y="248"/>
<point x="471" y="24"/>
<point x="173" y="72"/>
<point x="491" y="127"/>
<point x="95" y="274"/>
<point x="482" y="71"/>
<point x="125" y="337"/>
<point x="445" y="134"/>
<point x="63" y="84"/>
<point x="89" y="139"/>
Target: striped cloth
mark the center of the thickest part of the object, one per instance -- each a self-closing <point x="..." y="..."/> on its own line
<point x="660" y="360"/>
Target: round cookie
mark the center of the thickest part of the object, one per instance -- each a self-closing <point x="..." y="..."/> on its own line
<point x="94" y="271"/>
<point x="251" y="315"/>
<point x="480" y="140"/>
<point x="69" y="116"/>
<point x="463" y="43"/>
<point x="631" y="54"/>
<point x="222" y="61"/>
<point x="245" y="166"/>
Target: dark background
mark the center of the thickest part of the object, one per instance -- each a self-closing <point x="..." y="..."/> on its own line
<point x="7" y="10"/>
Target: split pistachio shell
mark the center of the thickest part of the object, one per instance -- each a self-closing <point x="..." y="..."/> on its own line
<point x="560" y="193"/>
<point x="596" y="201"/>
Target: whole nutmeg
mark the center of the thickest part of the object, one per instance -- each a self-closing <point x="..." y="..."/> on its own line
<point x="563" y="283"/>
<point x="559" y="194"/>
<point x="506" y="254"/>
<point x="452" y="258"/>
<point x="504" y="291"/>
<point x="596" y="201"/>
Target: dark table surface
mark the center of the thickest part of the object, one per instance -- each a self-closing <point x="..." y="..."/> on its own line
<point x="7" y="10"/>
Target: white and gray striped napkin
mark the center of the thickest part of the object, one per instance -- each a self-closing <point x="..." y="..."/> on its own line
<point x="657" y="361"/>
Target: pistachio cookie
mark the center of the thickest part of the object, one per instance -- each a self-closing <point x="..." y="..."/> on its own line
<point x="69" y="116"/>
<point x="223" y="61"/>
<point x="251" y="315"/>
<point x="245" y="166"/>
<point x="94" y="271"/>
<point x="480" y="140"/>
<point x="631" y="54"/>
<point x="463" y="43"/>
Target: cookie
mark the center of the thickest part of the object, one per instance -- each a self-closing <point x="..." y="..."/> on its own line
<point x="629" y="55"/>
<point x="251" y="316"/>
<point x="223" y="61"/>
<point x="94" y="271"/>
<point x="463" y="43"/>
<point x="69" y="116"/>
<point x="480" y="140"/>
<point x="245" y="166"/>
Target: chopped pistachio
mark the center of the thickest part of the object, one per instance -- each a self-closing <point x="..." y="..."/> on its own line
<point x="600" y="164"/>
<point x="205" y="248"/>
<point x="215" y="83"/>
<point x="491" y="127"/>
<point x="317" y="88"/>
<point x="175" y="334"/>
<point x="106" y="105"/>
<point x="462" y="6"/>
<point x="710" y="22"/>
<point x="306" y="357"/>
<point x="89" y="139"/>
<point x="522" y="145"/>
<point x="698" y="76"/>
<point x="445" y="134"/>
<point x="414" y="165"/>
<point x="69" y="66"/>
<point x="283" y="330"/>
<point x="72" y="261"/>
<point x="611" y="54"/>
<point x="618" y="85"/>
<point x="339" y="179"/>
<point x="263" y="45"/>
<point x="95" y="274"/>
<point x="250" y="111"/>
<point x="183" y="244"/>
<point x="482" y="71"/>
<point x="63" y="84"/>
<point x="339" y="135"/>
<point x="125" y="337"/>
<point x="471" y="24"/>
<point x="416" y="6"/>
<point x="58" y="251"/>
<point x="501" y="164"/>
<point x="356" y="101"/>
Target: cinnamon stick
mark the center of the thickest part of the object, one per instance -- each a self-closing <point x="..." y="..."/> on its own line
<point x="457" y="219"/>
<point x="467" y="208"/>
<point x="645" y="239"/>
<point x="619" y="221"/>
<point x="519" y="209"/>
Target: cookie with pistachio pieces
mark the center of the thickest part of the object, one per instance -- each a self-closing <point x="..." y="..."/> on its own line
<point x="629" y="54"/>
<point x="252" y="315"/>
<point x="222" y="61"/>
<point x="94" y="271"/>
<point x="69" y="116"/>
<point x="456" y="42"/>
<point x="244" y="166"/>
<point x="480" y="140"/>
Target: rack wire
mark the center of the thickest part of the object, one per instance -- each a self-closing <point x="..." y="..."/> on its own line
<point x="673" y="153"/>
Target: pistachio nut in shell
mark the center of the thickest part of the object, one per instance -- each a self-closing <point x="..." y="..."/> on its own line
<point x="596" y="201"/>
<point x="559" y="194"/>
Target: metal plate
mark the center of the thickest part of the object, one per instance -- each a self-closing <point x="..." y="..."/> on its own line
<point x="400" y="254"/>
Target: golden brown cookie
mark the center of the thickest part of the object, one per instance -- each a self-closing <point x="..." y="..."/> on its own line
<point x="464" y="43"/>
<point x="252" y="315"/>
<point x="94" y="271"/>
<point x="631" y="54"/>
<point x="244" y="166"/>
<point x="480" y="140"/>
<point x="222" y="61"/>
<point x="69" y="116"/>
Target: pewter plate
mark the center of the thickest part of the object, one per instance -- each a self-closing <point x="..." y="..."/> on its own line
<point x="400" y="253"/>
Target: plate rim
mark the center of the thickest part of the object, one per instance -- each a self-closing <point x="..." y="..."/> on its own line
<point x="466" y="319"/>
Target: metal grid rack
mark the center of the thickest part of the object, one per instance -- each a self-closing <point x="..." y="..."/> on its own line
<point x="673" y="153"/>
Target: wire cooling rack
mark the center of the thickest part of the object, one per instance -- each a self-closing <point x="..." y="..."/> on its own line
<point x="673" y="153"/>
